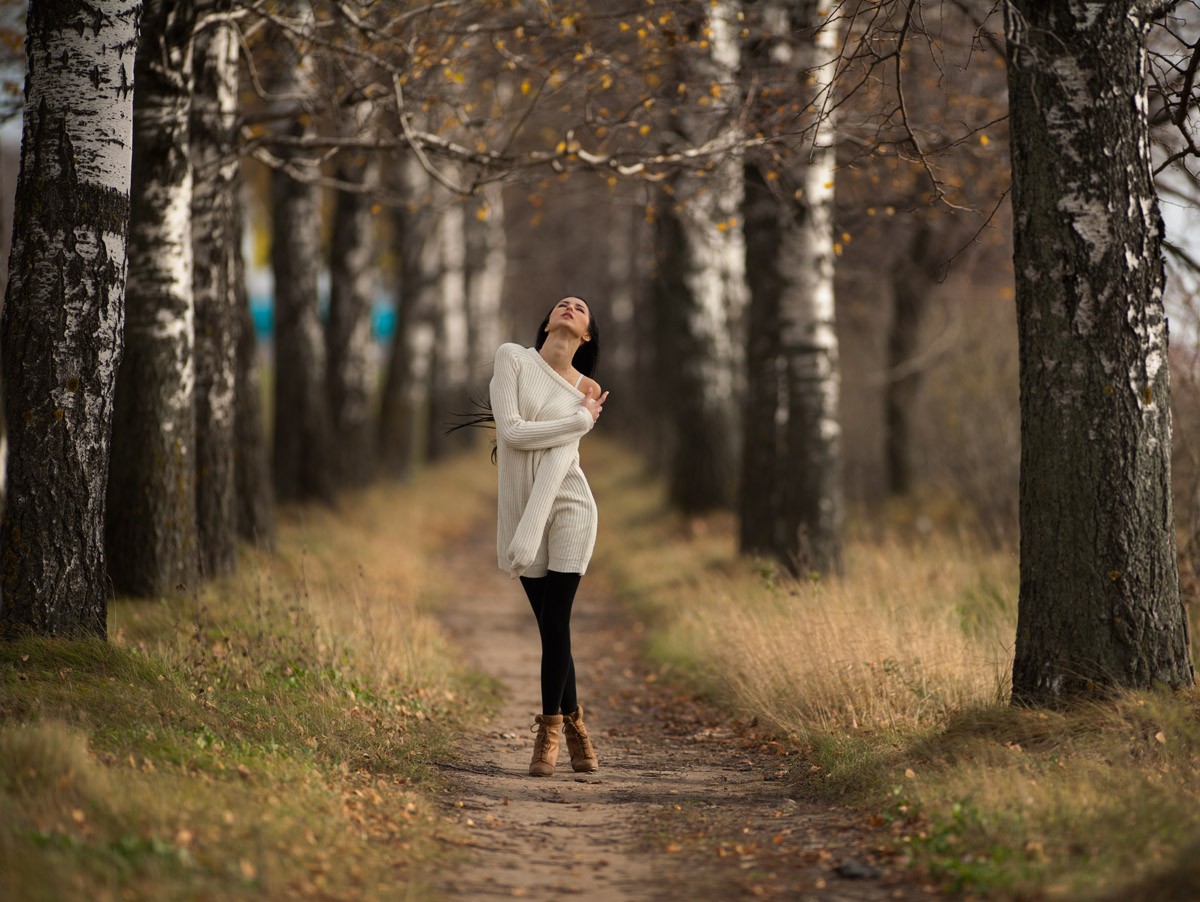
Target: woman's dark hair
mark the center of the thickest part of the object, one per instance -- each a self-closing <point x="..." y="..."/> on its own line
<point x="588" y="355"/>
<point x="585" y="360"/>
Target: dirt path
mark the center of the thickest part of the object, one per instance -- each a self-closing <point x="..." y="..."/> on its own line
<point x="683" y="804"/>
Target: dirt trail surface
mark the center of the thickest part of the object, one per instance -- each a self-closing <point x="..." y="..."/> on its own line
<point x="684" y="804"/>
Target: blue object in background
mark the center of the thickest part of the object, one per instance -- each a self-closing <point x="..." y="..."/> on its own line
<point x="262" y="311"/>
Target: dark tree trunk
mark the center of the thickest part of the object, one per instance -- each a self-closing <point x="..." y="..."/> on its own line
<point x="699" y="282"/>
<point x="912" y="281"/>
<point x="302" y="457"/>
<point x="255" y="493"/>
<point x="62" y="318"/>
<point x="348" y="333"/>
<point x="760" y="523"/>
<point x="693" y="382"/>
<point x="151" y="530"/>
<point x="404" y="409"/>
<point x="214" y="130"/>
<point x="792" y="500"/>
<point x="1099" y="600"/>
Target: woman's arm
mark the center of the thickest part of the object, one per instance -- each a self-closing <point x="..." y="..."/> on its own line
<point x="512" y="428"/>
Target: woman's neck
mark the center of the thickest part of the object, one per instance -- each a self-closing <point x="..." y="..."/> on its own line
<point x="559" y="350"/>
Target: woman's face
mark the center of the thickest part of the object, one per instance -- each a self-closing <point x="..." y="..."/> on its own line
<point x="571" y="314"/>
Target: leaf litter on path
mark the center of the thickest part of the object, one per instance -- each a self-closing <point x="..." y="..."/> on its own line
<point x="687" y="802"/>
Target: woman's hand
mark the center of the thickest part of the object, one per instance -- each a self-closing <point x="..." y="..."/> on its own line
<point x="594" y="405"/>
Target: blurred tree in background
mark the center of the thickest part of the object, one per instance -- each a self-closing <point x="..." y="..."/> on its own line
<point x="791" y="218"/>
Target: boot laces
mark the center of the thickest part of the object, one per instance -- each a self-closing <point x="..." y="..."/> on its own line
<point x="541" y="740"/>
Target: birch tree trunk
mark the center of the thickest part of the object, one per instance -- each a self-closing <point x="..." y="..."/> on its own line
<point x="62" y="318"/>
<point x="303" y="437"/>
<point x="1099" y="601"/>
<point x="700" y="293"/>
<point x="151" y="529"/>
<point x="792" y="428"/>
<point x="404" y="416"/>
<point x="348" y="332"/>
<point x="216" y="233"/>
<point x="487" y="264"/>
<point x="449" y="373"/>
<point x="625" y="239"/>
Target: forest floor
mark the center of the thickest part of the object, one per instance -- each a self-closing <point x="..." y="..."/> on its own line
<point x="687" y="803"/>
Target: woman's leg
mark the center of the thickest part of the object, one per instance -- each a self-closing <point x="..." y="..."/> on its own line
<point x="551" y="597"/>
<point x="535" y="591"/>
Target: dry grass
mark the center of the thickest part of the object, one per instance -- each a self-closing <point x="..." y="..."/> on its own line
<point x="270" y="735"/>
<point x="894" y="680"/>
<point x="884" y="647"/>
<point x="915" y="630"/>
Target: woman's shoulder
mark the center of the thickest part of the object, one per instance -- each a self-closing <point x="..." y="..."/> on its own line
<point x="510" y="350"/>
<point x="589" y="383"/>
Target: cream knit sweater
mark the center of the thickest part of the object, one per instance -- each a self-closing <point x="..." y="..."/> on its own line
<point x="546" y="515"/>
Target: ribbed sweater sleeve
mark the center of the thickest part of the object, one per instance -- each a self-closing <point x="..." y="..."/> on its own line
<point x="517" y="432"/>
<point x="527" y="539"/>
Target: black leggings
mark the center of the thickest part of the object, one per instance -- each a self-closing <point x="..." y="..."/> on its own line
<point x="551" y="597"/>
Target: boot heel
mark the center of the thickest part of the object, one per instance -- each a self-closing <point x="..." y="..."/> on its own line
<point x="579" y="744"/>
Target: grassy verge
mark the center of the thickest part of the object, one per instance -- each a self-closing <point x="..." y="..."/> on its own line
<point x="271" y="734"/>
<point x="893" y="681"/>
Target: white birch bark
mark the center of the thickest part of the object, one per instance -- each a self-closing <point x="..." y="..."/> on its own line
<point x="449" y="375"/>
<point x="64" y="310"/>
<point x="791" y="504"/>
<point x="814" y="507"/>
<point x="216" y="233"/>
<point x="705" y="286"/>
<point x="487" y="248"/>
<point x="152" y="538"/>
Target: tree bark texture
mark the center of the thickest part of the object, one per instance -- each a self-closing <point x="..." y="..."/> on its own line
<point x="404" y="413"/>
<point x="700" y="285"/>
<point x="487" y="264"/>
<point x="912" y="279"/>
<point x="449" y="373"/>
<point x="62" y="318"/>
<point x="760" y="499"/>
<point x="216" y="234"/>
<point x="151" y="529"/>
<point x="255" y="493"/>
<point x="792" y="414"/>
<point x="625" y="233"/>
<point x="302" y="455"/>
<point x="348" y="332"/>
<point x="1099" y="600"/>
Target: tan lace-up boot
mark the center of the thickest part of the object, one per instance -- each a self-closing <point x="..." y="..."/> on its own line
<point x="545" y="744"/>
<point x="583" y="756"/>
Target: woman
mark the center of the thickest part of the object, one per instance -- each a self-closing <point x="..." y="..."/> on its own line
<point x="543" y="401"/>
